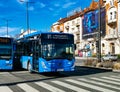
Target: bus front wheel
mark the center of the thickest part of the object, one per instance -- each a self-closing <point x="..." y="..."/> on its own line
<point x="29" y="67"/>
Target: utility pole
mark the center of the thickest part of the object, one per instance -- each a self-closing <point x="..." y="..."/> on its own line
<point x="27" y="13"/>
<point x="99" y="32"/>
<point x="7" y="20"/>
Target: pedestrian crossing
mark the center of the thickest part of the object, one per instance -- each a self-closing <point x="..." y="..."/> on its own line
<point x="109" y="83"/>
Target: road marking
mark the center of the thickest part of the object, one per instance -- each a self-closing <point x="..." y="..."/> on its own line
<point x="27" y="88"/>
<point x="99" y="83"/>
<point x="89" y="85"/>
<point x="19" y="72"/>
<point x="118" y="77"/>
<point x="49" y="87"/>
<point x="103" y="80"/>
<point x="5" y="89"/>
<point x="70" y="86"/>
<point x="111" y="78"/>
<point x="4" y="73"/>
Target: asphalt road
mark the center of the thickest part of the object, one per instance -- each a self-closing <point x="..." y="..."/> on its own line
<point x="83" y="79"/>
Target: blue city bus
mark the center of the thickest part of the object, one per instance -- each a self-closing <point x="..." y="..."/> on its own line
<point x="6" y="53"/>
<point x="46" y="52"/>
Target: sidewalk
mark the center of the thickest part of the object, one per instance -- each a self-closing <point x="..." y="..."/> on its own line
<point x="77" y="57"/>
<point x="83" y="59"/>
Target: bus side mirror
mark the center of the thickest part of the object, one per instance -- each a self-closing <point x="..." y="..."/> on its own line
<point x="75" y="46"/>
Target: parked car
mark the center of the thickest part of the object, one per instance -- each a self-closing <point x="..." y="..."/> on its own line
<point x="111" y="57"/>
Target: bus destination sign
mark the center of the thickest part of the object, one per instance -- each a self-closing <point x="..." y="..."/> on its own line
<point x="4" y="40"/>
<point x="56" y="36"/>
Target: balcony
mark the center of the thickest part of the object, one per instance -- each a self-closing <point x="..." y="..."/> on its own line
<point x="77" y="41"/>
<point x="112" y="21"/>
<point x="77" y="32"/>
<point x="111" y="37"/>
<point x="77" y="24"/>
<point x="112" y="16"/>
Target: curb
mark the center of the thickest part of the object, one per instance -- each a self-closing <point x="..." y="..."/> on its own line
<point x="102" y="68"/>
<point x="117" y="71"/>
<point x="108" y="69"/>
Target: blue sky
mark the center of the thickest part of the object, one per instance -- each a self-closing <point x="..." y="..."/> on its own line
<point x="42" y="13"/>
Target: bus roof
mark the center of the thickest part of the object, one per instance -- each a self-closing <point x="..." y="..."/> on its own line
<point x="6" y="37"/>
<point x="39" y="33"/>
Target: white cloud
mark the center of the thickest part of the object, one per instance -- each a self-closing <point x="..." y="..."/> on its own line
<point x="56" y="5"/>
<point x="69" y="4"/>
<point x="20" y="1"/>
<point x="11" y="30"/>
<point x="51" y="9"/>
<point x="31" y="8"/>
<point x="41" y="5"/>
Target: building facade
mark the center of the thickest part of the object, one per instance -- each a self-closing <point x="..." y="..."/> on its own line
<point x="85" y="27"/>
<point x="112" y="27"/>
<point x="73" y="26"/>
<point x="118" y="16"/>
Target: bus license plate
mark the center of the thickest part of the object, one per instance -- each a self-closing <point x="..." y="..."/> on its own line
<point x="59" y="69"/>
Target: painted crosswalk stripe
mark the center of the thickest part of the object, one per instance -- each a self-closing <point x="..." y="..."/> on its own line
<point x="99" y="83"/>
<point x="109" y="78"/>
<point x="118" y="77"/>
<point x="107" y="81"/>
<point x="89" y="85"/>
<point x="5" y="89"/>
<point x="49" y="87"/>
<point x="27" y="88"/>
<point x="69" y="86"/>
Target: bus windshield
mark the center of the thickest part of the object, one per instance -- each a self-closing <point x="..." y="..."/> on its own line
<point x="5" y="53"/>
<point x="57" y="50"/>
<point x="5" y="48"/>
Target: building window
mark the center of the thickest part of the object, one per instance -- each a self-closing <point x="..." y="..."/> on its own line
<point x="110" y="32"/>
<point x="78" y="20"/>
<point x="67" y="24"/>
<point x="110" y="15"/>
<point x="103" y="48"/>
<point x="72" y="29"/>
<point x="73" y="23"/>
<point x="115" y="13"/>
<point x="114" y="32"/>
<point x="111" y="2"/>
<point x="78" y="37"/>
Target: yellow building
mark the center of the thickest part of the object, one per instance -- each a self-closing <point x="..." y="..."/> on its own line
<point x="112" y="36"/>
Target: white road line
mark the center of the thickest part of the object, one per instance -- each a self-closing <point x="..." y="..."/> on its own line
<point x="19" y="72"/>
<point x="107" y="81"/>
<point x="90" y="86"/>
<point x="5" y="89"/>
<point x="27" y="88"/>
<point x="99" y="83"/>
<point x="4" y="73"/>
<point x="70" y="86"/>
<point x="118" y="77"/>
<point x="111" y="78"/>
<point x="49" y="87"/>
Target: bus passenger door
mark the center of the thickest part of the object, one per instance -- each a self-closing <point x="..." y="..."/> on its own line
<point x="35" y="46"/>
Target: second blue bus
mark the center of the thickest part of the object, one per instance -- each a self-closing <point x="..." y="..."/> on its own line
<point x="6" y="53"/>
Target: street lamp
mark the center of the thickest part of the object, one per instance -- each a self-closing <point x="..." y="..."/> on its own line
<point x="27" y="14"/>
<point x="7" y="20"/>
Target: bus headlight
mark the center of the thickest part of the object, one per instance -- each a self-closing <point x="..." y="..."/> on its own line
<point x="43" y="65"/>
<point x="7" y="62"/>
